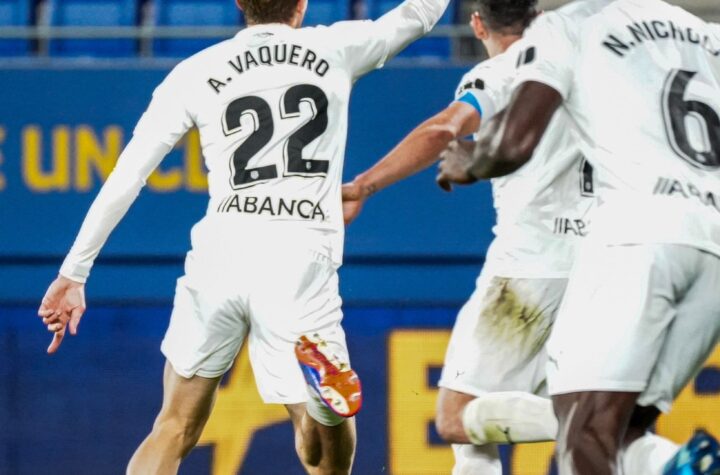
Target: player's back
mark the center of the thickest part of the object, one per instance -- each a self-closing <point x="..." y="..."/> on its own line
<point x="271" y="105"/>
<point x="541" y="208"/>
<point x="646" y="96"/>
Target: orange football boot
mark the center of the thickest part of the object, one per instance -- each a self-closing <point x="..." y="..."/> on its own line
<point x="337" y="385"/>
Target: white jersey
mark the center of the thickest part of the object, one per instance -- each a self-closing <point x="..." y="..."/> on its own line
<point x="271" y="105"/>
<point x="641" y="79"/>
<point x="542" y="208"/>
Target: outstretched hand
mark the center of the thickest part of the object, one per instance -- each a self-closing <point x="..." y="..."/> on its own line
<point x="353" y="199"/>
<point x="454" y="165"/>
<point x="62" y="306"/>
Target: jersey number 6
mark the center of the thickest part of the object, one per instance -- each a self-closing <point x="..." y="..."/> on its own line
<point x="677" y="113"/>
<point x="264" y="128"/>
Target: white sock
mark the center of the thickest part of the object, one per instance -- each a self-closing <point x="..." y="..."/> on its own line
<point x="509" y="417"/>
<point x="474" y="460"/>
<point x="648" y="455"/>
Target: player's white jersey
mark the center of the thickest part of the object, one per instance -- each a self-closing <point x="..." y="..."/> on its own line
<point x="642" y="81"/>
<point x="271" y="105"/>
<point x="542" y="208"/>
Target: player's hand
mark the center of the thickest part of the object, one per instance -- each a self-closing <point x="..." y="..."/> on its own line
<point x="63" y="305"/>
<point x="454" y="165"/>
<point x="353" y="199"/>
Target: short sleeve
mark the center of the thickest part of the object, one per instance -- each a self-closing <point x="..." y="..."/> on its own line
<point x="549" y="53"/>
<point x="167" y="118"/>
<point x="487" y="86"/>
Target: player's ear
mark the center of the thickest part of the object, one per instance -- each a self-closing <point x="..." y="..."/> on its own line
<point x="302" y="7"/>
<point x="478" y="26"/>
<point x="239" y="5"/>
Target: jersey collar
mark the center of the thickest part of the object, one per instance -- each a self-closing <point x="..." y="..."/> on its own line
<point x="269" y="27"/>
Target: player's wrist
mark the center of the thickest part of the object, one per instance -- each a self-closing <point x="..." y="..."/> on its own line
<point x="365" y="187"/>
<point x="70" y="280"/>
<point x="470" y="176"/>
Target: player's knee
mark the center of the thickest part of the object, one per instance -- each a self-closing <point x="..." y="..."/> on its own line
<point x="182" y="433"/>
<point x="449" y="427"/>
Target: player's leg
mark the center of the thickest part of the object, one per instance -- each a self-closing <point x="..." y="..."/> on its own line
<point x="690" y="341"/>
<point x="474" y="459"/>
<point x="297" y="297"/>
<point x="495" y="353"/>
<point x="448" y="418"/>
<point x="592" y="426"/>
<point x="608" y="338"/>
<point x="322" y="449"/>
<point x="185" y="410"/>
<point x="509" y="417"/>
<point x="204" y="337"/>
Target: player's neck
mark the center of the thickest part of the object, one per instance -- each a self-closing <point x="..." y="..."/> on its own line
<point x="498" y="44"/>
<point x="294" y="22"/>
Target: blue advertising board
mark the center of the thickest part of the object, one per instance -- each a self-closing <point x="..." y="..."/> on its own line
<point x="84" y="410"/>
<point x="61" y="132"/>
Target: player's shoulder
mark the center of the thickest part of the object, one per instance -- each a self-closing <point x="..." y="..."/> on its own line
<point x="200" y="61"/>
<point x="338" y="28"/>
<point x="493" y="72"/>
<point x="569" y="19"/>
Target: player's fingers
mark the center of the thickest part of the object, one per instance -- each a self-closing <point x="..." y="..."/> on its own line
<point x="46" y="312"/>
<point x="350" y="192"/>
<point x="55" y="343"/>
<point x="51" y="319"/>
<point x="75" y="317"/>
<point x="443" y="182"/>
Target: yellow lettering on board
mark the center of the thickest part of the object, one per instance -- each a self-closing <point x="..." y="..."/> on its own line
<point x="92" y="157"/>
<point x="36" y="178"/>
<point x="691" y="410"/>
<point x="3" y="182"/>
<point x="195" y="174"/>
<point x="412" y="403"/>
<point x="238" y="413"/>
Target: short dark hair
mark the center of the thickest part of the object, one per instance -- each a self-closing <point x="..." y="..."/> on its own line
<point x="268" y="11"/>
<point x="512" y="16"/>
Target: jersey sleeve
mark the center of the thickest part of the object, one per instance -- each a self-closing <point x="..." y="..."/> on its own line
<point x="367" y="45"/>
<point x="549" y="53"/>
<point x="486" y="87"/>
<point x="161" y="126"/>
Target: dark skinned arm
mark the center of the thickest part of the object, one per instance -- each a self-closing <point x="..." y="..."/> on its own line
<point x="507" y="142"/>
<point x="512" y="136"/>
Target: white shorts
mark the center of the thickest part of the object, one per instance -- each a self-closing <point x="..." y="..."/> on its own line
<point x="636" y="318"/>
<point x="498" y="341"/>
<point x="271" y="294"/>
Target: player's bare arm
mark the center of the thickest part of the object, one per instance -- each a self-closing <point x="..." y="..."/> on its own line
<point x="507" y="142"/>
<point x="416" y="152"/>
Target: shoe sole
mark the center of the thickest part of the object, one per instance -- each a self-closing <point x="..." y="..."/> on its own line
<point x="339" y="388"/>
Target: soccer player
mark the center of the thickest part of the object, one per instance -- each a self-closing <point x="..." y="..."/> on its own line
<point x="642" y="311"/>
<point x="271" y="105"/>
<point x="495" y="363"/>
